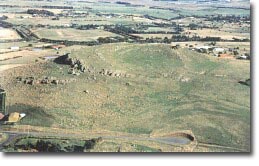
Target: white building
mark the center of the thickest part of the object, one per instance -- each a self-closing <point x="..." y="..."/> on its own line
<point x="218" y="50"/>
<point x="14" y="48"/>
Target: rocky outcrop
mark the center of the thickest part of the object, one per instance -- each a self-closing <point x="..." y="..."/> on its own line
<point x="76" y="65"/>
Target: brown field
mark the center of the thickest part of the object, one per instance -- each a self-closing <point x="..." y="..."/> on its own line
<point x="21" y="58"/>
<point x="6" y="67"/>
<point x="153" y="35"/>
<point x="8" y="34"/>
<point x="218" y="33"/>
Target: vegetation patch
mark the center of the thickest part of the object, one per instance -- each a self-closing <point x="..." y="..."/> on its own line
<point x="138" y="130"/>
<point x="142" y="148"/>
<point x="34" y="144"/>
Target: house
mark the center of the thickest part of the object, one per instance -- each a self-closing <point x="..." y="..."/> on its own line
<point x="67" y="25"/>
<point x="14" y="48"/>
<point x="11" y="118"/>
<point x="218" y="50"/>
<point x="1" y="116"/>
<point x="57" y="47"/>
<point x="226" y="56"/>
<point x="203" y="49"/>
<point x="244" y="57"/>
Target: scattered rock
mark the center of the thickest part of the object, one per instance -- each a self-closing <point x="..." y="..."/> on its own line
<point x="184" y="79"/>
<point x="45" y="80"/>
<point x="86" y="91"/>
<point x="202" y="73"/>
<point x="55" y="82"/>
<point x="165" y="75"/>
<point x="116" y="73"/>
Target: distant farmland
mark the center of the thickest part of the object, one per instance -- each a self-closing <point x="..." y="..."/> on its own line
<point x="73" y="34"/>
<point x="7" y="34"/>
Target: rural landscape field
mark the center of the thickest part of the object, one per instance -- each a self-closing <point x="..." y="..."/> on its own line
<point x="125" y="76"/>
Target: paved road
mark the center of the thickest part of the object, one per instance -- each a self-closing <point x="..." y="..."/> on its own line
<point x="165" y="140"/>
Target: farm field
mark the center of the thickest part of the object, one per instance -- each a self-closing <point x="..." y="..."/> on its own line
<point x="218" y="33"/>
<point x="125" y="76"/>
<point x="72" y="34"/>
<point x="153" y="35"/>
<point x="6" y="34"/>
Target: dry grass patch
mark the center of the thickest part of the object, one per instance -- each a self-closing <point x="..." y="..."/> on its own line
<point x="8" y="34"/>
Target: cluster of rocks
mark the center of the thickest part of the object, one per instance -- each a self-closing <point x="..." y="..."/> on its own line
<point x="76" y="65"/>
<point x="112" y="73"/>
<point x="45" y="80"/>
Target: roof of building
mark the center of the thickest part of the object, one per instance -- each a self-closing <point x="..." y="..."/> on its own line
<point x="14" y="117"/>
<point x="58" y="46"/>
<point x="219" y="49"/>
<point x="225" y="56"/>
<point x="1" y="116"/>
<point x="202" y="47"/>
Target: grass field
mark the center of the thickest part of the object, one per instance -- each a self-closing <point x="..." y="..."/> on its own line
<point x="167" y="91"/>
<point x="120" y="9"/>
<point x="72" y="34"/>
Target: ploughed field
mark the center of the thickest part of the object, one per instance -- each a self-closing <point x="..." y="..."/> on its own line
<point x="138" y="89"/>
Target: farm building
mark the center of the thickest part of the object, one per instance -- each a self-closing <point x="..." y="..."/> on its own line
<point x="203" y="49"/>
<point x="244" y="57"/>
<point x="1" y="116"/>
<point x="218" y="50"/>
<point x="57" y="47"/>
<point x="14" y="48"/>
<point x="227" y="56"/>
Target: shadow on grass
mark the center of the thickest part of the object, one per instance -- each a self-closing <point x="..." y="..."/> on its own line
<point x="35" y="116"/>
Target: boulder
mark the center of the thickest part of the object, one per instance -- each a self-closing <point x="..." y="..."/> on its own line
<point x="55" y="82"/>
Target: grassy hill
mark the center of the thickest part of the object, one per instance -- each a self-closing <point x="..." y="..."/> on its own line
<point x="162" y="91"/>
